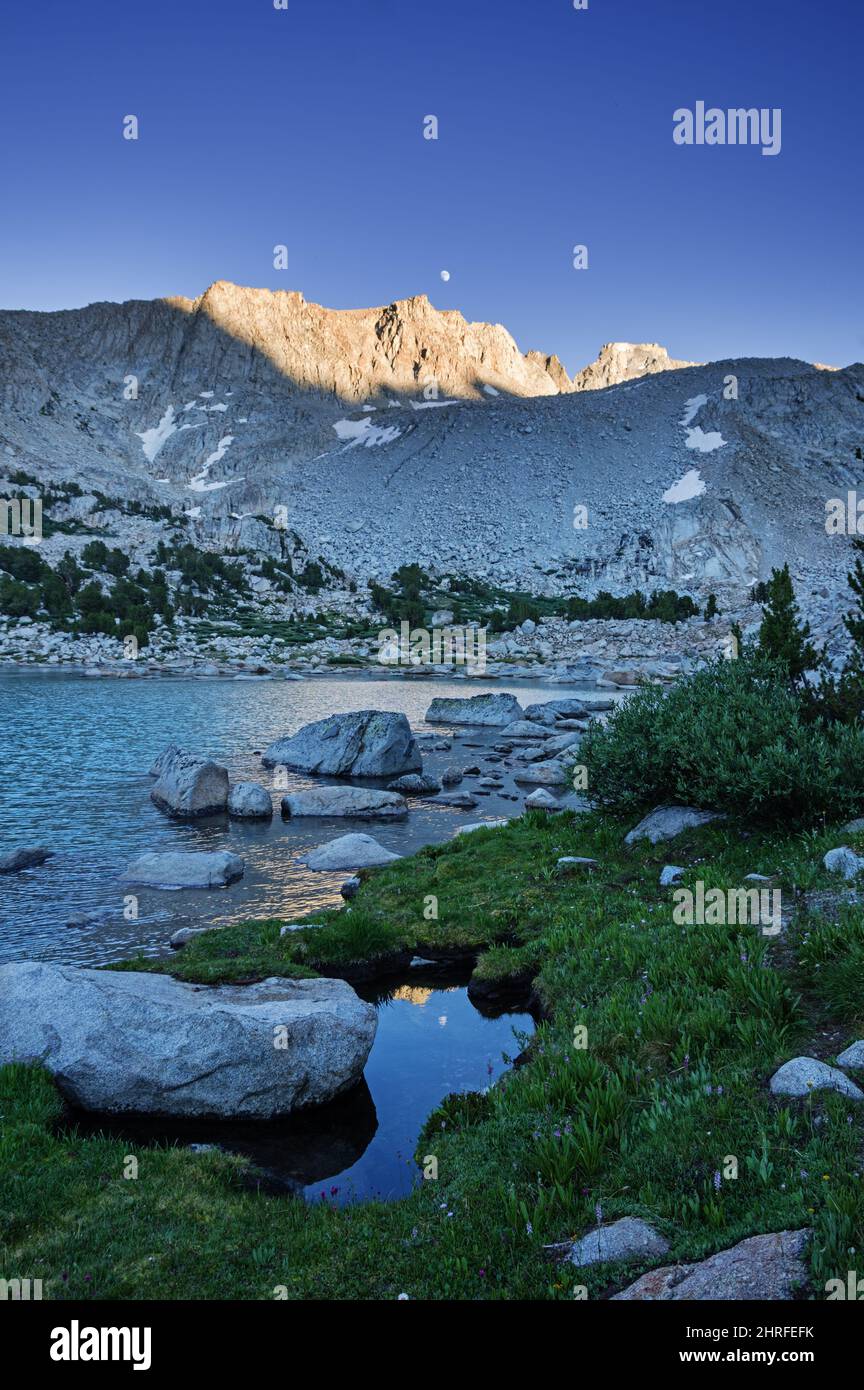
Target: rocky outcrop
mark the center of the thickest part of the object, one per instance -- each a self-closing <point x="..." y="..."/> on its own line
<point x="360" y="803"/>
<point x="170" y="869"/>
<point x="761" y="1268"/>
<point x="617" y="362"/>
<point x="237" y="1051"/>
<point x="249" y="801"/>
<point x="188" y="785"/>
<point x="366" y="743"/>
<point x="350" y="852"/>
<point x="491" y="710"/>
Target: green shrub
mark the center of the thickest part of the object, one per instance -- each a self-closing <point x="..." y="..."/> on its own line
<point x="732" y="737"/>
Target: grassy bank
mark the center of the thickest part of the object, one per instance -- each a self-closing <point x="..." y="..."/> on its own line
<point x="684" y="1027"/>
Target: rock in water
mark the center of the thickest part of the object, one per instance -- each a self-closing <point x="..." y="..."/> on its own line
<point x="237" y="1051"/>
<point x="550" y="773"/>
<point x="361" y="803"/>
<point x="550" y="711"/>
<point x="665" y="822"/>
<point x="368" y="743"/>
<point x="541" y="801"/>
<point x="350" y="852"/>
<point x="206" y="869"/>
<point x="249" y="801"/>
<point x="188" y="785"/>
<point x="497" y="710"/>
<point x="18" y="859"/>
<point x="769" y="1267"/>
<point x="414" y="784"/>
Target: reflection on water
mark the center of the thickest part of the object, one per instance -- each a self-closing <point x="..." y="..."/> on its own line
<point x="430" y="1041"/>
<point x="76" y="753"/>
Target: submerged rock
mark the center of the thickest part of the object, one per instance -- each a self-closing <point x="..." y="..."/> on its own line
<point x="492" y="710"/>
<point x="366" y="743"/>
<point x="360" y="803"/>
<point x="189" y="785"/>
<point x="236" y="1051"/>
<point x="18" y="859"/>
<point x="350" y="852"/>
<point x="204" y="869"/>
<point x="769" y="1267"/>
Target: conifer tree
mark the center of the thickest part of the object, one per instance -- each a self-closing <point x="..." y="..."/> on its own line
<point x="782" y="635"/>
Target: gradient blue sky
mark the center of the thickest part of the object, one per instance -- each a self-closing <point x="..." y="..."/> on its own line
<point x="304" y="127"/>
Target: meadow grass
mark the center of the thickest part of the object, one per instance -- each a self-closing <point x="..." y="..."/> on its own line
<point x="684" y="1026"/>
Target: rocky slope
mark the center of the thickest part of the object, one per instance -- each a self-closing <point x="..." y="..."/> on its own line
<point x="254" y="414"/>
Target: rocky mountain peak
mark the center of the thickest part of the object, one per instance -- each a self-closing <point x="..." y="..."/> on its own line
<point x="619" y="362"/>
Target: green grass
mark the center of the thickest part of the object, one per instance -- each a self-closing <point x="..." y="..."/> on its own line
<point x="684" y="1027"/>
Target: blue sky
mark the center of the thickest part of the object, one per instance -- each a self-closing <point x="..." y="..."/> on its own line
<point x="305" y="127"/>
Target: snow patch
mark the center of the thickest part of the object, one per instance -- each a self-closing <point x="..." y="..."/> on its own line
<point x="365" y="433"/>
<point x="690" y="486"/>
<point x="490" y="391"/>
<point x="697" y="438"/>
<point x="152" y="440"/>
<point x="199" y="483"/>
<point x="705" y="443"/>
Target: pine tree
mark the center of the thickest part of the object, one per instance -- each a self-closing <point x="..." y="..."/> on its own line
<point x="711" y="609"/>
<point x="782" y="636"/>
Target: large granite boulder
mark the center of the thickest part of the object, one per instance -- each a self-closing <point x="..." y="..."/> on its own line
<point x="494" y="710"/>
<point x="189" y="785"/>
<point x="124" y="1041"/>
<point x="350" y="852"/>
<point x="172" y="869"/>
<point x="762" y="1268"/>
<point x="360" y="803"/>
<point x="366" y="743"/>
